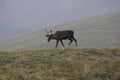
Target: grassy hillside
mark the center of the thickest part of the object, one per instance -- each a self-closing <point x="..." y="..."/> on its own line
<point x="67" y="64"/>
<point x="97" y="31"/>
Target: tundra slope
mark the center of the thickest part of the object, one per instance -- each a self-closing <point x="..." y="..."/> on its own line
<point x="97" y="31"/>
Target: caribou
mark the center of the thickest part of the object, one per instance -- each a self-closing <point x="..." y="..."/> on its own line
<point x="61" y="35"/>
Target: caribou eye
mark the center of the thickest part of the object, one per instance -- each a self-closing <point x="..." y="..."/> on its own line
<point x="47" y="35"/>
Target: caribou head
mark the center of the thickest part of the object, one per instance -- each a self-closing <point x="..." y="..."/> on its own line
<point x="49" y="35"/>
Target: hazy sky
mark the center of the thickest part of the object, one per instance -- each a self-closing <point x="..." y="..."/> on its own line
<point x="19" y="16"/>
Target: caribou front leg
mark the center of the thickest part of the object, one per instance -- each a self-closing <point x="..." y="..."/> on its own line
<point x="57" y="43"/>
<point x="62" y="43"/>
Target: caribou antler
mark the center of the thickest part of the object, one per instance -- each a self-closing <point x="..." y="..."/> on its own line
<point x="50" y="31"/>
<point x="47" y="32"/>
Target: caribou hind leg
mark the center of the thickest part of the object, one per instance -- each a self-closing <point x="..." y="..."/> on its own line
<point x="70" y="41"/>
<point x="75" y="42"/>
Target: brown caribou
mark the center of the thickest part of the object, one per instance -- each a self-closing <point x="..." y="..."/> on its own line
<point x="61" y="35"/>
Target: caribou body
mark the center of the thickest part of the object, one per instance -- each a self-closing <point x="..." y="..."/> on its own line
<point x="61" y="35"/>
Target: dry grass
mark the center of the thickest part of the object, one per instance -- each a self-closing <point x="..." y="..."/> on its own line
<point x="68" y="64"/>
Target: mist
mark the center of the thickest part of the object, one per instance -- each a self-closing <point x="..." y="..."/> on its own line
<point x="21" y="16"/>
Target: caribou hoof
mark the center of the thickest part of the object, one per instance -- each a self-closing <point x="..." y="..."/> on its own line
<point x="77" y="48"/>
<point x="63" y="48"/>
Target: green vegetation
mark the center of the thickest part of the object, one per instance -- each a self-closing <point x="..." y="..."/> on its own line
<point x="59" y="64"/>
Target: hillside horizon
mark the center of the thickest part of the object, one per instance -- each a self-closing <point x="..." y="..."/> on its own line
<point x="92" y="32"/>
